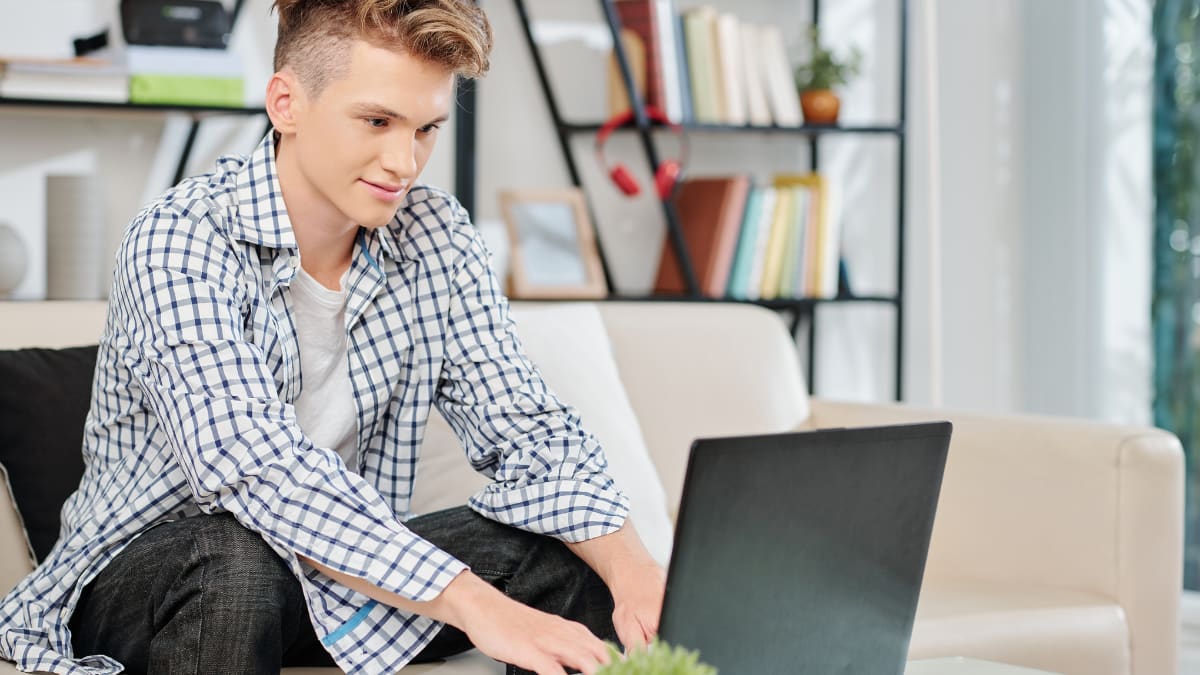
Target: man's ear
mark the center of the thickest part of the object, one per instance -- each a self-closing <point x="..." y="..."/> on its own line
<point x="285" y="98"/>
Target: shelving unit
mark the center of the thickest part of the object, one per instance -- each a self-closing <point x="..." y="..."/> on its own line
<point x="800" y="308"/>
<point x="197" y="113"/>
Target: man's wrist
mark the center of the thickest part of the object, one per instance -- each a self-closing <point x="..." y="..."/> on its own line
<point x="460" y="599"/>
<point x="631" y="574"/>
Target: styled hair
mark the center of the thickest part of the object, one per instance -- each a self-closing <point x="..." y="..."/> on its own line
<point x="314" y="35"/>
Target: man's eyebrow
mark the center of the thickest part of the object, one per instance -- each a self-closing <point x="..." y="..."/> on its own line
<point x="380" y="111"/>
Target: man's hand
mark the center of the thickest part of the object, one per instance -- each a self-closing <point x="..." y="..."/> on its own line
<point x="636" y="581"/>
<point x="638" y="595"/>
<point x="513" y="633"/>
<point x="497" y="625"/>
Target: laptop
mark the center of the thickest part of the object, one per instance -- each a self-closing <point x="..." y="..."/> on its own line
<point x="802" y="553"/>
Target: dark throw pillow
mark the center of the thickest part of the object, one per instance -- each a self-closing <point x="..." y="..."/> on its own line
<point x="44" y="398"/>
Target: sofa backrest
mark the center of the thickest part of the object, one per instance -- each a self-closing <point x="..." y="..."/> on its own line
<point x="37" y="324"/>
<point x="695" y="370"/>
<point x="690" y="370"/>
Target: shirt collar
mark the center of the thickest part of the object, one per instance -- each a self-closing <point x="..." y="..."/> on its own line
<point x="262" y="217"/>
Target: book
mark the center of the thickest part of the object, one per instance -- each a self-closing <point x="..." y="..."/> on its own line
<point x="758" y="110"/>
<point x="187" y="90"/>
<point x="793" y="247"/>
<point x="182" y="61"/>
<point x="669" y="49"/>
<point x="781" y="224"/>
<point x="710" y="216"/>
<point x="685" y="81"/>
<point x="831" y="242"/>
<point x="64" y="80"/>
<point x="808" y="280"/>
<point x="635" y="56"/>
<point x="638" y="17"/>
<point x="184" y="76"/>
<point x="752" y="281"/>
<point x="700" y="27"/>
<point x="745" y="244"/>
<point x="729" y="57"/>
<point x="777" y="71"/>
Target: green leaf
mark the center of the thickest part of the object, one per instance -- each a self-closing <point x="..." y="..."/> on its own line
<point x="824" y="70"/>
<point x="657" y="659"/>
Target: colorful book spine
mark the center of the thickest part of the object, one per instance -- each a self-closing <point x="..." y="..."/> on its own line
<point x="781" y="224"/>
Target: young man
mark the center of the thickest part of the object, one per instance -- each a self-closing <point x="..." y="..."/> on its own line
<point x="277" y="334"/>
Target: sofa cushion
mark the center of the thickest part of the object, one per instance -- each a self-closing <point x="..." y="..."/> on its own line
<point x="696" y="370"/>
<point x="1053" y="629"/>
<point x="570" y="347"/>
<point x="44" y="398"/>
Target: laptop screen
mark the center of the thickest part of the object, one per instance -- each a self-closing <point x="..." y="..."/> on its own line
<point x="804" y="552"/>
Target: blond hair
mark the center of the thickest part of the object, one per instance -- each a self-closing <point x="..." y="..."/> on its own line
<point x="313" y="35"/>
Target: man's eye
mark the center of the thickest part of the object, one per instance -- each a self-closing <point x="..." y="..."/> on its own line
<point x="377" y="122"/>
<point x="429" y="128"/>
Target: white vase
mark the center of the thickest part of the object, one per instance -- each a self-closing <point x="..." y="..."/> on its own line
<point x="14" y="260"/>
<point x="74" y="237"/>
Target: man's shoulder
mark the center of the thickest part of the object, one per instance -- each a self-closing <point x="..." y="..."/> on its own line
<point x="199" y="205"/>
<point x="432" y="223"/>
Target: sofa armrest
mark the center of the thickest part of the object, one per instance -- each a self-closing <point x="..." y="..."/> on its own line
<point x="15" y="560"/>
<point x="1042" y="501"/>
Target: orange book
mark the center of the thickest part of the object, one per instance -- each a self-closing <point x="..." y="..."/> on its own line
<point x="710" y="215"/>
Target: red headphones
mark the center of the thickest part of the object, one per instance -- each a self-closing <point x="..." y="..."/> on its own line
<point x="668" y="171"/>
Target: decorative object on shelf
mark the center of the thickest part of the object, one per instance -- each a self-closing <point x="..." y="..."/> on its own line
<point x="816" y="79"/>
<point x="669" y="170"/>
<point x="13" y="260"/>
<point x="658" y="658"/>
<point x="176" y="23"/>
<point x="553" y="247"/>
<point x="74" y="237"/>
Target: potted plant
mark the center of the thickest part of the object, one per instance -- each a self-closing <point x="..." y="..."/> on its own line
<point x="658" y="658"/>
<point x="816" y="79"/>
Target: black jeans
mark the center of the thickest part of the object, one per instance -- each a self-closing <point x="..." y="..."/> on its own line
<point x="205" y="595"/>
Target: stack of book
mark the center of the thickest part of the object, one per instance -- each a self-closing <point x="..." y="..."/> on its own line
<point x="705" y="66"/>
<point x="64" y="80"/>
<point x="185" y="76"/>
<point x="749" y="242"/>
<point x="152" y="75"/>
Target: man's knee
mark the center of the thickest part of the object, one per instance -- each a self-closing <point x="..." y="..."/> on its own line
<point x="234" y="556"/>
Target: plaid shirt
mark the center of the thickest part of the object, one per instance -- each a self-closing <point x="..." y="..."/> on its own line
<point x="191" y="413"/>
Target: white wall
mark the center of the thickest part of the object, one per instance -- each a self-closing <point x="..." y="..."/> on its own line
<point x="1038" y="271"/>
<point x="133" y="154"/>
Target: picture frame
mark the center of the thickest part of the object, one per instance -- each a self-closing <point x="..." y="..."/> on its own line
<point x="553" y="253"/>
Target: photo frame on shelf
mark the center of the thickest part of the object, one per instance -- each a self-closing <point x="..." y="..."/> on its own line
<point x="553" y="253"/>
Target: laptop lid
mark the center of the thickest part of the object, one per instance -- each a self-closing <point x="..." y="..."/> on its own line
<point x="804" y="552"/>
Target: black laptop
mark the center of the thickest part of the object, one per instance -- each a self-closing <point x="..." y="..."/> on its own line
<point x="803" y="553"/>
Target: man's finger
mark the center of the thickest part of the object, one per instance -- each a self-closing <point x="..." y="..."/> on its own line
<point x="630" y="632"/>
<point x="549" y="667"/>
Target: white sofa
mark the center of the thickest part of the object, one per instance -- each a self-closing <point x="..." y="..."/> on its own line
<point x="1057" y="546"/>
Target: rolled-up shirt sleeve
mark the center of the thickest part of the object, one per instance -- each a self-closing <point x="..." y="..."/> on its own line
<point x="178" y="295"/>
<point x="549" y="474"/>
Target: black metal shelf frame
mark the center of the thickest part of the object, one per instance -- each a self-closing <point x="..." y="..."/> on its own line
<point x="801" y="308"/>
<point x="196" y="112"/>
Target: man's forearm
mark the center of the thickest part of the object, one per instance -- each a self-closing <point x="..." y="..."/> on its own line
<point x="616" y="556"/>
<point x="448" y="607"/>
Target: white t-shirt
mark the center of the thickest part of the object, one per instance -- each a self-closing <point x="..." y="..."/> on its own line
<point x="325" y="408"/>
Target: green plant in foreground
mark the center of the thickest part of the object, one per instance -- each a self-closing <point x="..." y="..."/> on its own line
<point x="657" y="659"/>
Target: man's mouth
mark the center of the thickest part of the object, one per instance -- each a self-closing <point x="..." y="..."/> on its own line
<point x="385" y="191"/>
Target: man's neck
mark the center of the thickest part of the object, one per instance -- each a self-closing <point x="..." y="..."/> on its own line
<point x="324" y="236"/>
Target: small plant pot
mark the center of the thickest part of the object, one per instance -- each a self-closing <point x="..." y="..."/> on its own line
<point x="820" y="106"/>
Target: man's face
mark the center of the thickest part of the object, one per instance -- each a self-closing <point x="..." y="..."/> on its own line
<point x="362" y="142"/>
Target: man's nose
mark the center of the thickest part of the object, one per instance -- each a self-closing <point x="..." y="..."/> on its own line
<point x="400" y="157"/>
